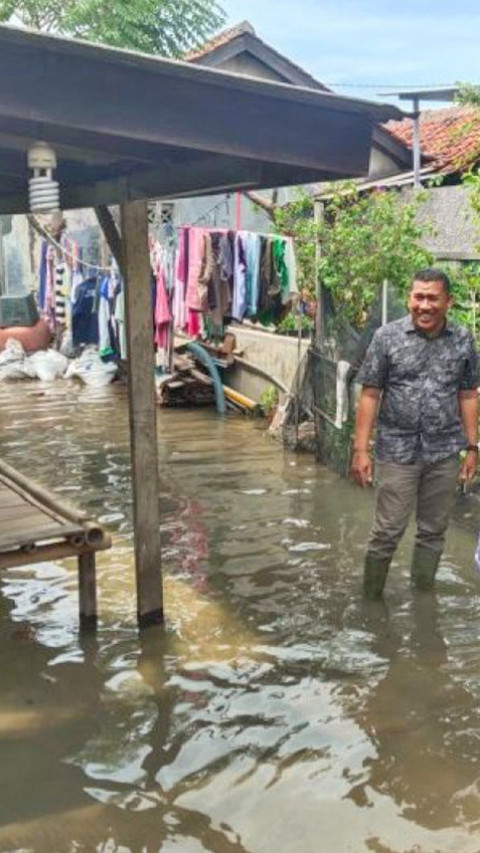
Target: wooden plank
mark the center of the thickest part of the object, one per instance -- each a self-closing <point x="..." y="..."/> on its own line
<point x="10" y="499"/>
<point x="20" y="538"/>
<point x="31" y="490"/>
<point x="143" y="423"/>
<point x="87" y="591"/>
<point x="26" y="524"/>
<point x="24" y="511"/>
<point x="45" y="553"/>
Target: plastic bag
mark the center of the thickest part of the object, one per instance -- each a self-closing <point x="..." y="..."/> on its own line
<point x="13" y="352"/>
<point x="17" y="370"/>
<point x="48" y="364"/>
<point x="14" y="363"/>
<point x="91" y="369"/>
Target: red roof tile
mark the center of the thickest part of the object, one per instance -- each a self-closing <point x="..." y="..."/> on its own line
<point x="450" y="137"/>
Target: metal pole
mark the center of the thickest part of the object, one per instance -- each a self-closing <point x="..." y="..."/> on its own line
<point x="385" y="302"/>
<point x="299" y="358"/>
<point x="318" y="215"/>
<point x="3" y="272"/>
<point x="417" y="154"/>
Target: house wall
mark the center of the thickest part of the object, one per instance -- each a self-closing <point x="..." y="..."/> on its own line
<point x="20" y="248"/>
<point x="381" y="165"/>
<point x="219" y="211"/>
<point x="250" y="66"/>
<point x="448" y="211"/>
<point x="16" y="270"/>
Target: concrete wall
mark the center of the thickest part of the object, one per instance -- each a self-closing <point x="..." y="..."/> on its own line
<point x="16" y="258"/>
<point x="277" y="355"/>
<point x="456" y="233"/>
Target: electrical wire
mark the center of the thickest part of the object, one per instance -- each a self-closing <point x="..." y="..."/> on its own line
<point x="404" y="87"/>
<point x="39" y="227"/>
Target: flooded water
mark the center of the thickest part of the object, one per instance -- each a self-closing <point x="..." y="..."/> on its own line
<point x="276" y="713"/>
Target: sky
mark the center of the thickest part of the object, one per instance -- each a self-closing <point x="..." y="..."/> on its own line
<point x="365" y="47"/>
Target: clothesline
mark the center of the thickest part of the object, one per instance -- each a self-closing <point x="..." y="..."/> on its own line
<point x="223" y="202"/>
<point x="39" y="227"/>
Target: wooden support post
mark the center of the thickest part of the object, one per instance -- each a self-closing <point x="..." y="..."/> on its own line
<point x="110" y="232"/>
<point x="87" y="591"/>
<point x="143" y="412"/>
<point x="319" y="340"/>
<point x="318" y="214"/>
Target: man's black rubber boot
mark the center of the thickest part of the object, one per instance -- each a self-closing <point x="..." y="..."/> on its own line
<point x="424" y="567"/>
<point x="375" y="575"/>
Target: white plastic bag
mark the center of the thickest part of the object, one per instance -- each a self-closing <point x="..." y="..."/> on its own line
<point x="48" y="364"/>
<point x="14" y="363"/>
<point x="17" y="370"/>
<point x="91" y="369"/>
<point x="13" y="352"/>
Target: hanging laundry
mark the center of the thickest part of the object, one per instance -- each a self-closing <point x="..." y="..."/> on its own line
<point x="195" y="256"/>
<point x="163" y="314"/>
<point x="239" y="304"/>
<point x="180" y="281"/>
<point x="60" y="306"/>
<point x="42" y="284"/>
<point x="120" y="321"/>
<point x="252" y="278"/>
<point x="107" y="327"/>
<point x="84" y="313"/>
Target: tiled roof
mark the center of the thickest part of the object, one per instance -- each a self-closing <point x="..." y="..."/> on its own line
<point x="229" y="35"/>
<point x="220" y="39"/>
<point x="450" y="137"/>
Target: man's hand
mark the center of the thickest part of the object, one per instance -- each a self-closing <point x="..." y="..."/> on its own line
<point x="469" y="466"/>
<point x="362" y="468"/>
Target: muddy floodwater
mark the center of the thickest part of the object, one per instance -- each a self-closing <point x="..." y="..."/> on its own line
<point x="276" y="713"/>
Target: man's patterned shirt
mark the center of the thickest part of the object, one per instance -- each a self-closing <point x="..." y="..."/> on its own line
<point x="419" y="416"/>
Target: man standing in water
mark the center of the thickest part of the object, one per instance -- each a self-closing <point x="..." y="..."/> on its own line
<point x="421" y="374"/>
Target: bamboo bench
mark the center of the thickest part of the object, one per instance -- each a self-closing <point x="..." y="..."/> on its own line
<point x="36" y="525"/>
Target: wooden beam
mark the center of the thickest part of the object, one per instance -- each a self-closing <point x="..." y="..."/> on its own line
<point x="143" y="420"/>
<point x="87" y="591"/>
<point x="199" y="110"/>
<point x="110" y="231"/>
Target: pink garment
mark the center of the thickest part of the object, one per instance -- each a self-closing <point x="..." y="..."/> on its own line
<point x="49" y="309"/>
<point x="163" y="315"/>
<point x="193" y="324"/>
<point x="180" y="283"/>
<point x="195" y="255"/>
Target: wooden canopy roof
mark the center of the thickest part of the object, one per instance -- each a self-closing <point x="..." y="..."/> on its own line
<point x="129" y="126"/>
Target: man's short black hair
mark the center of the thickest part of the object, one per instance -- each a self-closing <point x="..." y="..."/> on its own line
<point x="433" y="274"/>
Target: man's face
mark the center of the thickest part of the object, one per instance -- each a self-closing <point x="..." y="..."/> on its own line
<point x="428" y="304"/>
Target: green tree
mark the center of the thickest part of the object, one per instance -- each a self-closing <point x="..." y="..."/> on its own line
<point x="166" y="27"/>
<point x="468" y="95"/>
<point x="365" y="238"/>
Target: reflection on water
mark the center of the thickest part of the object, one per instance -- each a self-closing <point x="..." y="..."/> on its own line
<point x="277" y="711"/>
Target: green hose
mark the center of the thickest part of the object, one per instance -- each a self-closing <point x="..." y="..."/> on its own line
<point x="204" y="356"/>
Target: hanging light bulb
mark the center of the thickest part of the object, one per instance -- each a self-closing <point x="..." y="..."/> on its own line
<point x="43" y="191"/>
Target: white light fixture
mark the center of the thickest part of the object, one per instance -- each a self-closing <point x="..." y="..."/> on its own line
<point x="43" y="191"/>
